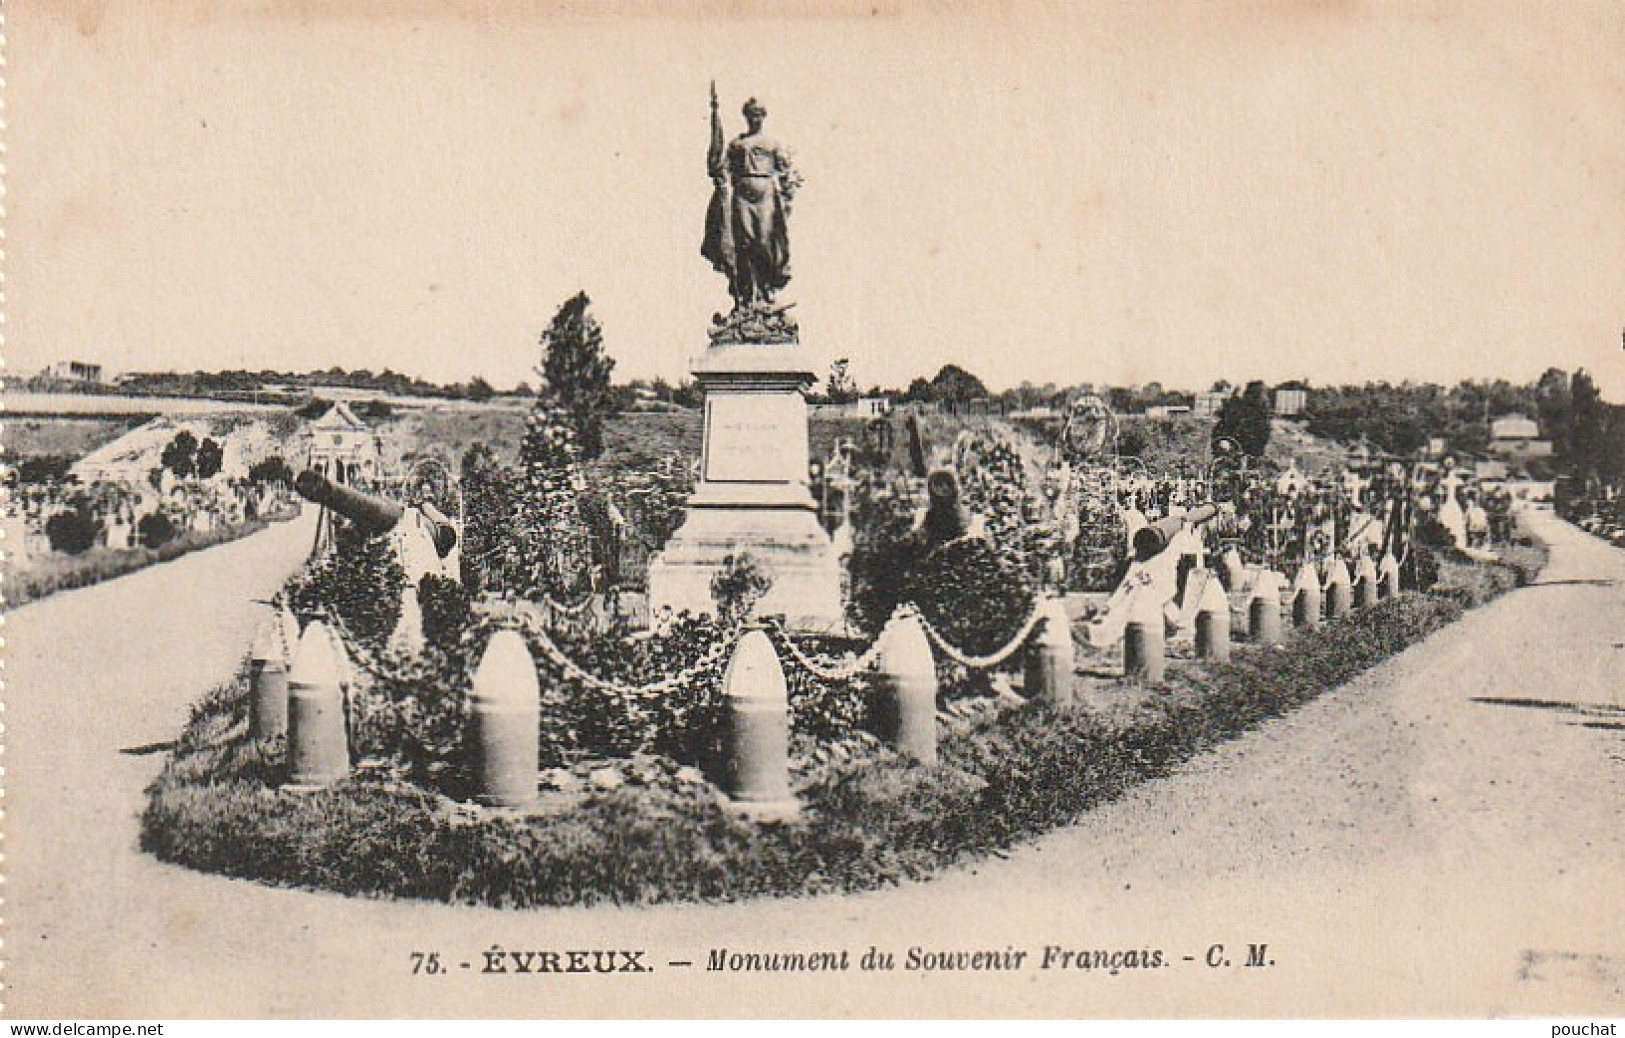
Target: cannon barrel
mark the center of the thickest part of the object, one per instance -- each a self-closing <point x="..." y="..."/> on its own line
<point x="372" y="515"/>
<point x="1151" y="540"/>
<point x="442" y="529"/>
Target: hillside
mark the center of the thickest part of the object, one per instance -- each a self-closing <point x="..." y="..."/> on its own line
<point x="633" y="440"/>
<point x="1169" y="444"/>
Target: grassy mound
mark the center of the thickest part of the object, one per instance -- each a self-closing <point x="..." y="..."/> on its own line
<point x="870" y="818"/>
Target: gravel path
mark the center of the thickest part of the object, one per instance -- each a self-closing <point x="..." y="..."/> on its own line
<point x="1442" y="836"/>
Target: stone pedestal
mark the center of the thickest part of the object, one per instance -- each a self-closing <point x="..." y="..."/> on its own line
<point x="752" y="495"/>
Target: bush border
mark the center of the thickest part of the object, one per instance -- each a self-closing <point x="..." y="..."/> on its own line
<point x="101" y="564"/>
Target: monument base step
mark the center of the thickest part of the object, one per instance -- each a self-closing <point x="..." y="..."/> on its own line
<point x="787" y="543"/>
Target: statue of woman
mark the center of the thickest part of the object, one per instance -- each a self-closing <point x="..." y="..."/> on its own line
<point x="746" y="229"/>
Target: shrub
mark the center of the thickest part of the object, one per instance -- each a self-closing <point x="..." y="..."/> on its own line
<point x="46" y="468"/>
<point x="884" y="553"/>
<point x="969" y="594"/>
<point x="65" y="573"/>
<point x="489" y="491"/>
<point x="180" y="455"/>
<point x="580" y="718"/>
<point x="210" y="456"/>
<point x="448" y="610"/>
<point x="71" y="531"/>
<point x="358" y="583"/>
<point x="740" y="583"/>
<point x="155" y="530"/>
<point x="416" y="717"/>
<point x="273" y="469"/>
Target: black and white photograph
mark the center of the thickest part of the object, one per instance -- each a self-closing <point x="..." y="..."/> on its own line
<point x="812" y="510"/>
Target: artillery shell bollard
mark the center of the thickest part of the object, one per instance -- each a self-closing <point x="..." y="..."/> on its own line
<point x="1339" y="590"/>
<point x="757" y="750"/>
<point x="1235" y="574"/>
<point x="1388" y="577"/>
<point x="1306" y="602"/>
<point x="318" y="748"/>
<point x="268" y="680"/>
<point x="506" y="708"/>
<point x="1213" y="624"/>
<point x="908" y="689"/>
<point x="290" y="633"/>
<point x="1264" y="609"/>
<point x="1365" y="583"/>
<point x="1144" y="648"/>
<point x="407" y="638"/>
<point x="1050" y="661"/>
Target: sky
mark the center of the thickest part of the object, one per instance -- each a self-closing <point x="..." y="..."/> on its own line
<point x="1109" y="193"/>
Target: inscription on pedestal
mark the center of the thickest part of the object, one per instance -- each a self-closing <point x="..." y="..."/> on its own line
<point x="755" y="438"/>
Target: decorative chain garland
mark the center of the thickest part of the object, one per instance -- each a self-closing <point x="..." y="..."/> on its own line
<point x="355" y="655"/>
<point x="830" y="669"/>
<point x="569" y="610"/>
<point x="538" y="635"/>
<point x="992" y="659"/>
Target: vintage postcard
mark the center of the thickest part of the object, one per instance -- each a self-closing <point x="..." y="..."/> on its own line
<point x="813" y="509"/>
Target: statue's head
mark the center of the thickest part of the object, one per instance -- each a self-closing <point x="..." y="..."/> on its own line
<point x="754" y="114"/>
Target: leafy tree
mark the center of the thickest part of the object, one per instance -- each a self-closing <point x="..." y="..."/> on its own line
<point x="1588" y="429"/>
<point x="954" y="385"/>
<point x="546" y="549"/>
<point x="686" y="394"/>
<point x="480" y="390"/>
<point x="577" y="371"/>
<point x="210" y="456"/>
<point x="180" y="456"/>
<point x="270" y="470"/>
<point x="1123" y="399"/>
<point x="1553" y="407"/>
<point x="1246" y="419"/>
<point x="839" y="386"/>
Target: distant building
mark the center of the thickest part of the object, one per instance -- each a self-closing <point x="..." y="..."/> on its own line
<point x="1514" y="427"/>
<point x="1207" y="404"/>
<point x="1166" y="410"/>
<point x="76" y="371"/>
<point x="872" y="406"/>
<point x="1042" y="412"/>
<point x="1519" y="437"/>
<point x="342" y="448"/>
<point x="1289" y="403"/>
